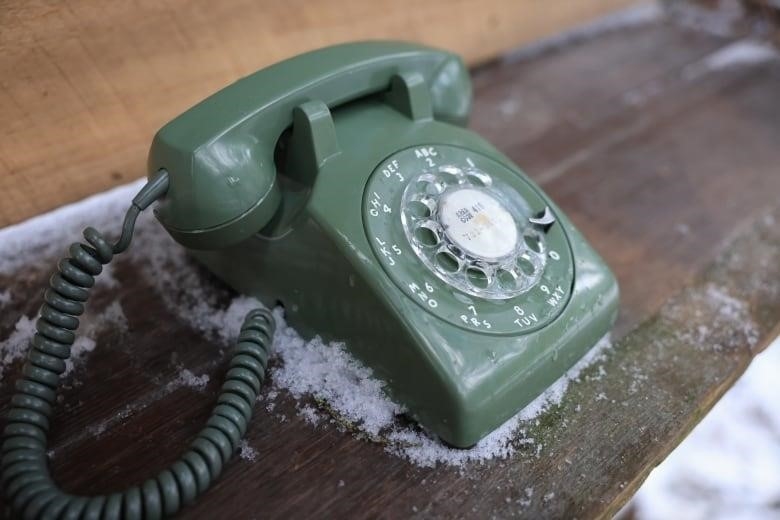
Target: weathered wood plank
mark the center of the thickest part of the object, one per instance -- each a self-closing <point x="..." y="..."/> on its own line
<point x="84" y="87"/>
<point x="658" y="201"/>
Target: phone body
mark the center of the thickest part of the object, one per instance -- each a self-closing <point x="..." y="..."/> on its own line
<point x="344" y="185"/>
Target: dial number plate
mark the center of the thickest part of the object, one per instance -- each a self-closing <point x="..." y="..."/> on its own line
<point x="460" y="234"/>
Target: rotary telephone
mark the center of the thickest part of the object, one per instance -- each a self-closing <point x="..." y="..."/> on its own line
<point x="343" y="185"/>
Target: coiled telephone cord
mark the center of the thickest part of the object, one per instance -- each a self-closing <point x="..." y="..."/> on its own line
<point x="26" y="480"/>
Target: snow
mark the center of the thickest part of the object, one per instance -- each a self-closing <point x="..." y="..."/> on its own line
<point x="82" y="346"/>
<point x="47" y="235"/>
<point x="740" y="53"/>
<point x="185" y="378"/>
<point x="344" y="390"/>
<point x="309" y="414"/>
<point x="719" y="312"/>
<point x="346" y="393"/>
<point x="743" y="52"/>
<point x="525" y="502"/>
<point x="727" y="467"/>
<point x="15" y="346"/>
<point x="510" y="107"/>
<point x="328" y="373"/>
<point x="247" y="452"/>
<point x="683" y="229"/>
<point x="722" y="18"/>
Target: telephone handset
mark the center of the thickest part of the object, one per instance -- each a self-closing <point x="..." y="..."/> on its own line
<point x="342" y="185"/>
<point x="221" y="153"/>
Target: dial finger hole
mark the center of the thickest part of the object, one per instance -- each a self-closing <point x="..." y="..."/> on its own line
<point x="447" y="261"/>
<point x="477" y="277"/>
<point x="425" y="178"/>
<point x="506" y="279"/>
<point x="533" y="241"/>
<point x="428" y="184"/>
<point x="436" y="187"/>
<point x="418" y="208"/>
<point x="426" y="235"/>
<point x="478" y="178"/>
<point x="450" y="175"/>
<point x="526" y="266"/>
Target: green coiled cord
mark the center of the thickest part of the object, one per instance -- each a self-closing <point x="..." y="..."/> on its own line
<point x="26" y="480"/>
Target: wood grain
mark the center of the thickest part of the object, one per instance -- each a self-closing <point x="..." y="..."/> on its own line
<point x="84" y="85"/>
<point x="672" y="178"/>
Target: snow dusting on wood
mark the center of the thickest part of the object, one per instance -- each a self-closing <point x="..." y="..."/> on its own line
<point x="329" y="383"/>
<point x="330" y="388"/>
<point x="728" y="466"/>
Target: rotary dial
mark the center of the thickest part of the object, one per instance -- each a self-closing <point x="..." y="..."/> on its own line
<point x="468" y="239"/>
<point x="469" y="235"/>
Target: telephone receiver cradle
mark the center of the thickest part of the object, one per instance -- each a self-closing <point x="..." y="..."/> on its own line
<point x="343" y="185"/>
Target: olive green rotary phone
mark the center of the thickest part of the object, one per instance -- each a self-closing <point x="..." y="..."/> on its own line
<point x="343" y="185"/>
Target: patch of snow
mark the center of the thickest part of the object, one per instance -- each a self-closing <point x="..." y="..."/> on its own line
<point x="721" y="19"/>
<point x="309" y="414"/>
<point x="740" y="53"/>
<point x="526" y="501"/>
<point x="326" y="371"/>
<point x="48" y="235"/>
<point x="247" y="452"/>
<point x="91" y="325"/>
<point x="96" y="430"/>
<point x="329" y="373"/>
<point x="509" y="107"/>
<point x="15" y="346"/>
<point x="719" y="315"/>
<point x="178" y="281"/>
<point x="106" y="277"/>
<point x="5" y="297"/>
<point x="744" y="52"/>
<point x="554" y="394"/>
<point x="728" y="466"/>
<point x="82" y="346"/>
<point x="733" y="312"/>
<point x="115" y="316"/>
<point x="641" y="94"/>
<point x="188" y="379"/>
<point x="270" y="399"/>
<point x="683" y="229"/>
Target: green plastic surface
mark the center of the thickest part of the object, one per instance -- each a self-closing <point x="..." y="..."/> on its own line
<point x="315" y="254"/>
<point x="223" y="186"/>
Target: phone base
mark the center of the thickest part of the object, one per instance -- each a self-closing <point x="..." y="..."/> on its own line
<point x="459" y="384"/>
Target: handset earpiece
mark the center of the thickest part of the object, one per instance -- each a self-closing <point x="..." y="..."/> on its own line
<point x="220" y="153"/>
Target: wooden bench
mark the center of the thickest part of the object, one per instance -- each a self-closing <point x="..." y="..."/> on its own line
<point x="663" y="155"/>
